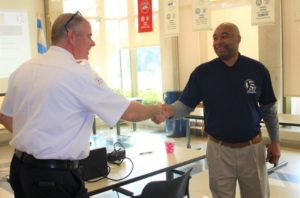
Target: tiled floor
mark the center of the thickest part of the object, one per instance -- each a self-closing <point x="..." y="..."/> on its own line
<point x="284" y="183"/>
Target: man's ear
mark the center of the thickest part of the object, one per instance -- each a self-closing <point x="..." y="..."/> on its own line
<point x="71" y="36"/>
<point x="239" y="38"/>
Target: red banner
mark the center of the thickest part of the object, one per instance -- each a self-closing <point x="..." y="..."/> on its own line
<point x="145" y="16"/>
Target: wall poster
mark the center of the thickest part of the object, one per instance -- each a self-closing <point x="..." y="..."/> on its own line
<point x="171" y="17"/>
<point x="263" y="12"/>
<point x="201" y="15"/>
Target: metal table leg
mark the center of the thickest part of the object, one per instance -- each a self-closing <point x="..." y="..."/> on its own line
<point x="94" y="126"/>
<point x="188" y="134"/>
<point x="118" y="128"/>
<point x="134" y="126"/>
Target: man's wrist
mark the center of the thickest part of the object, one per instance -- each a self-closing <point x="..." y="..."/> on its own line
<point x="275" y="141"/>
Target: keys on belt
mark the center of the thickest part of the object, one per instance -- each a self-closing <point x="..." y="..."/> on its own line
<point x="255" y="140"/>
<point x="46" y="163"/>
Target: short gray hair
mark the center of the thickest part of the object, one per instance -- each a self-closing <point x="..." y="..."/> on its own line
<point x="59" y="28"/>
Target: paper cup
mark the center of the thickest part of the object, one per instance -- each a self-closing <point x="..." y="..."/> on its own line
<point x="169" y="144"/>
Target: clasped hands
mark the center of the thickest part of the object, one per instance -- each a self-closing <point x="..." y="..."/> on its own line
<point x="166" y="112"/>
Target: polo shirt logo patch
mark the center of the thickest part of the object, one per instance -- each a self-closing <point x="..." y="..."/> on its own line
<point x="250" y="86"/>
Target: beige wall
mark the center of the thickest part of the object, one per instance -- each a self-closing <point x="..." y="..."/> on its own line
<point x="190" y="46"/>
<point x="169" y="57"/>
<point x="1" y="100"/>
<point x="270" y="53"/>
<point x="291" y="51"/>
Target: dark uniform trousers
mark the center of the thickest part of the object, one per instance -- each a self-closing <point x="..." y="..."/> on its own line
<point x="32" y="178"/>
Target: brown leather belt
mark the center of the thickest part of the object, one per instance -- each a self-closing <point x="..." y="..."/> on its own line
<point x="46" y="163"/>
<point x="255" y="140"/>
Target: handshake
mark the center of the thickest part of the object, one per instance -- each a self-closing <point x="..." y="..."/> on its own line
<point x="164" y="112"/>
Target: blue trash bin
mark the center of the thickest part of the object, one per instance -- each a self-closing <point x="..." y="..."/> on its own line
<point x="176" y="128"/>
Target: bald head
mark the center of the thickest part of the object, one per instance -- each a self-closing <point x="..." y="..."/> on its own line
<point x="230" y="27"/>
<point x="226" y="42"/>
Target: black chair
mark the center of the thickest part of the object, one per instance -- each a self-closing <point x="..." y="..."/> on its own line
<point x="172" y="188"/>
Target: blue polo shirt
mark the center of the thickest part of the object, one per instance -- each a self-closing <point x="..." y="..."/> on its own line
<point x="231" y="97"/>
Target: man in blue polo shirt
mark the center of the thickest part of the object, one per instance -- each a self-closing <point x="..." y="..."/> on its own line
<point x="237" y="93"/>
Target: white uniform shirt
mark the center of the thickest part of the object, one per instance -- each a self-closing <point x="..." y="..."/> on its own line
<point x="52" y="100"/>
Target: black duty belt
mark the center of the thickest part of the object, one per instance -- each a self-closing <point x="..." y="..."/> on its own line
<point x="46" y="163"/>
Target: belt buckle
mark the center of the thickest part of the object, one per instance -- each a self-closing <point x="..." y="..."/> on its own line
<point x="71" y="164"/>
<point x="256" y="139"/>
<point x="75" y="164"/>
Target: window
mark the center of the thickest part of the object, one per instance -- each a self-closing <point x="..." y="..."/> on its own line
<point x="125" y="72"/>
<point x="149" y="73"/>
<point x="295" y="105"/>
<point x="128" y="61"/>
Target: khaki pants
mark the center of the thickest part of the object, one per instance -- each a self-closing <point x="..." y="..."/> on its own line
<point x="246" y="165"/>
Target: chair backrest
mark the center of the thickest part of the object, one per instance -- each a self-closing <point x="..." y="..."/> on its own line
<point x="173" y="188"/>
